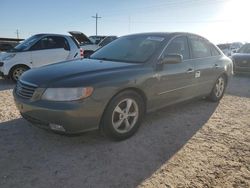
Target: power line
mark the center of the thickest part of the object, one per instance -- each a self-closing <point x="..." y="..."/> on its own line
<point x="166" y="5"/>
<point x="96" y="22"/>
<point x="169" y="22"/>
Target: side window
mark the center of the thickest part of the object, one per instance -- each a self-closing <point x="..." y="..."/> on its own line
<point x="214" y="51"/>
<point x="52" y="42"/>
<point x="178" y="46"/>
<point x="38" y="45"/>
<point x="61" y="42"/>
<point x="200" y="48"/>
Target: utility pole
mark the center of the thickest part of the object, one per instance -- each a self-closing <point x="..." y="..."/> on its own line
<point x="96" y="20"/>
<point x="17" y="34"/>
<point x="129" y="24"/>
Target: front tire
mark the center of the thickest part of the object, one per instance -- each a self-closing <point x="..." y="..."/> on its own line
<point x="218" y="89"/>
<point x="123" y="115"/>
<point x="16" y="72"/>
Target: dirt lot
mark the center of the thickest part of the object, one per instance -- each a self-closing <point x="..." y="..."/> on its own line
<point x="196" y="144"/>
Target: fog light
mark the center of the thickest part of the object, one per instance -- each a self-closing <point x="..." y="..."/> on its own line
<point x="56" y="127"/>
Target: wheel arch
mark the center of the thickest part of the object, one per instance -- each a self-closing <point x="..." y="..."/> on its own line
<point x="13" y="68"/>
<point x="133" y="89"/>
<point x="136" y="90"/>
<point x="18" y="65"/>
<point x="225" y="75"/>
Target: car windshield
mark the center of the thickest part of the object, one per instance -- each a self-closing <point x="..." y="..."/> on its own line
<point x="131" y="49"/>
<point x="25" y="45"/>
<point x="245" y="49"/>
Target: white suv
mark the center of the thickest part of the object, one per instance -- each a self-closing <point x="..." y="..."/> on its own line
<point x="36" y="51"/>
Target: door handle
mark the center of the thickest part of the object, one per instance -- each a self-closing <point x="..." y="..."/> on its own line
<point x="216" y="66"/>
<point x="190" y="70"/>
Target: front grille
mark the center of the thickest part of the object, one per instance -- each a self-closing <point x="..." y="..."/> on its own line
<point x="25" y="89"/>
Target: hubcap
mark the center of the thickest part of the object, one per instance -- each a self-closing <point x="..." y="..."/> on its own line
<point x="125" y="115"/>
<point x="219" y="87"/>
<point x="18" y="72"/>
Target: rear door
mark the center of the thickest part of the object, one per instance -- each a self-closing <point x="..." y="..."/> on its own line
<point x="206" y="65"/>
<point x="175" y="81"/>
<point x="49" y="49"/>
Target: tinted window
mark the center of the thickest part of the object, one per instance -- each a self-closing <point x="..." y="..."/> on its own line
<point x="137" y="49"/>
<point x="200" y="48"/>
<point x="214" y="51"/>
<point x="52" y="42"/>
<point x="178" y="46"/>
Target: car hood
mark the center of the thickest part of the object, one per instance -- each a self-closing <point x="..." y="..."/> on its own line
<point x="241" y="56"/>
<point x="80" y="37"/>
<point x="48" y="75"/>
<point x="3" y="55"/>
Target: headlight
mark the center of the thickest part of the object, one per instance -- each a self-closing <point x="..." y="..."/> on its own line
<point x="8" y="57"/>
<point x="67" y="94"/>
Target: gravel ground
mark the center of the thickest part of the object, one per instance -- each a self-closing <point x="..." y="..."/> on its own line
<point x="194" y="144"/>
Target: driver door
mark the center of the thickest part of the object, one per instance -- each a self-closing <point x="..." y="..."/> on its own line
<point x="175" y="81"/>
<point x="48" y="50"/>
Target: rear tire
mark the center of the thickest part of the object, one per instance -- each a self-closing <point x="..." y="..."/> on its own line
<point x="17" y="71"/>
<point x="123" y="115"/>
<point x="218" y="89"/>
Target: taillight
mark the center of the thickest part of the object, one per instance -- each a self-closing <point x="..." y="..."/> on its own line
<point x="81" y="53"/>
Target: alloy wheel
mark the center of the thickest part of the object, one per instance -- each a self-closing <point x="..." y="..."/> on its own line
<point x="125" y="115"/>
<point x="219" y="87"/>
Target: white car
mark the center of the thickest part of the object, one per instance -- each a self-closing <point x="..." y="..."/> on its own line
<point x="37" y="51"/>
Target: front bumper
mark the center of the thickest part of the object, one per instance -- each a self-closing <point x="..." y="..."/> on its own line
<point x="74" y="117"/>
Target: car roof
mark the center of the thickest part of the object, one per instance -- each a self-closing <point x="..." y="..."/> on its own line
<point x="168" y="34"/>
<point x="51" y="34"/>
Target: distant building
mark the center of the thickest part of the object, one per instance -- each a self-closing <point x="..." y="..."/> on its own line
<point x="8" y="43"/>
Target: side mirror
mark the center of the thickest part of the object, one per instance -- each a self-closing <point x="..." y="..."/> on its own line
<point x="172" y="59"/>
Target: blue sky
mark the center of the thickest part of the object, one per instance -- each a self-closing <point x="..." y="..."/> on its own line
<point x="218" y="20"/>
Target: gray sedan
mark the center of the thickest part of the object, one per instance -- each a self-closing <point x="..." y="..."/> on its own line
<point x="119" y="83"/>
